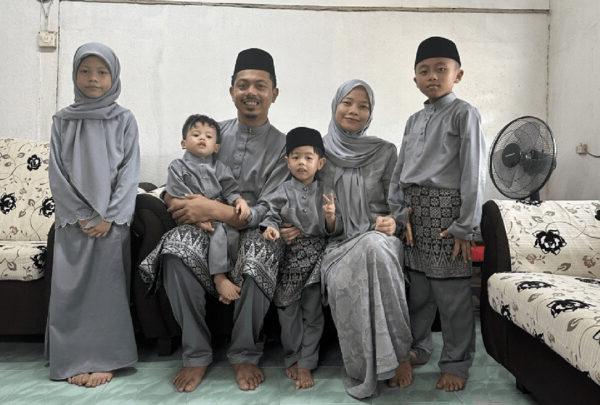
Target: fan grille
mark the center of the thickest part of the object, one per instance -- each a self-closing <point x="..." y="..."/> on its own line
<point x="522" y="157"/>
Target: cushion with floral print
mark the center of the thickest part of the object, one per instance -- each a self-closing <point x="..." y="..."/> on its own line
<point x="22" y="260"/>
<point x="560" y="237"/>
<point x="26" y="205"/>
<point x="561" y="311"/>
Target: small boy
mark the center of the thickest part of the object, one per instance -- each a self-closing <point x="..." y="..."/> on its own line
<point x="300" y="202"/>
<point x="199" y="172"/>
<point x="436" y="194"/>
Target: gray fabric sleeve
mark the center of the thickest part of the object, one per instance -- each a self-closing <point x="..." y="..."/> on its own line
<point x="176" y="186"/>
<point x="122" y="200"/>
<point x="472" y="175"/>
<point x="398" y="208"/>
<point x="230" y="190"/>
<point x="70" y="205"/>
<point x="275" y="201"/>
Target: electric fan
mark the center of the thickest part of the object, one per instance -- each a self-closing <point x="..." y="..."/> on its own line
<point x="522" y="158"/>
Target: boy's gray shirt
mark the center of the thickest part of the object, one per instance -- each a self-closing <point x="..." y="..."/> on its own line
<point x="299" y="205"/>
<point x="443" y="147"/>
<point x="201" y="175"/>
<point x="255" y="157"/>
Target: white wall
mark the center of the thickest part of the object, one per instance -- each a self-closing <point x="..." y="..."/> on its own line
<point x="27" y="76"/>
<point x="574" y="97"/>
<point x="177" y="60"/>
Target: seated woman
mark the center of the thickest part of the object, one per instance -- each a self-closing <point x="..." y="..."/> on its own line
<point x="361" y="271"/>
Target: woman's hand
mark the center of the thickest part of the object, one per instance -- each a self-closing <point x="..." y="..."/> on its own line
<point x="206" y="226"/>
<point x="461" y="246"/>
<point x="289" y="232"/>
<point x="242" y="209"/>
<point x="385" y="225"/>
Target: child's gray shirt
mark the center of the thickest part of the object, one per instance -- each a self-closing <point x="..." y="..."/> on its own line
<point x="443" y="147"/>
<point x="300" y="205"/>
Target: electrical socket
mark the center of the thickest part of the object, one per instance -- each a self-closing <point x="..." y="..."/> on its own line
<point x="47" y="39"/>
<point x="581" y="149"/>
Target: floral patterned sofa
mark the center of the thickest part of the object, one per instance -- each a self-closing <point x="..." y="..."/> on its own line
<point x="540" y="296"/>
<point x="26" y="216"/>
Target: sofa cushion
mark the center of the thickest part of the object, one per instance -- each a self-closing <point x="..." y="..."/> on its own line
<point x="561" y="237"/>
<point x="22" y="261"/>
<point x="562" y="311"/>
<point x="26" y="205"/>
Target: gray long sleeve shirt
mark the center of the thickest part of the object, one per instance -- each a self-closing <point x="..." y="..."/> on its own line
<point x="255" y="157"/>
<point x="299" y="205"/>
<point x="443" y="147"/>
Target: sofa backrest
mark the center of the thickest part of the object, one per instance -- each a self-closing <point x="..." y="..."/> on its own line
<point x="26" y="204"/>
<point x="559" y="237"/>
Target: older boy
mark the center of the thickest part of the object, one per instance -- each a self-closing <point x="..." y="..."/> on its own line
<point x="436" y="192"/>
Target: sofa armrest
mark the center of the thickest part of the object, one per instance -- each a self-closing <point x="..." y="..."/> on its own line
<point x="497" y="253"/>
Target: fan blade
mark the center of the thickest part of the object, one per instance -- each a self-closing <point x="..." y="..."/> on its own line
<point x="527" y="135"/>
<point x="502" y="173"/>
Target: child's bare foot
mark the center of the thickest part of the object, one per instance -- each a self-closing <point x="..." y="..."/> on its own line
<point x="450" y="382"/>
<point x="97" y="379"/>
<point x="79" y="379"/>
<point x="226" y="288"/>
<point x="305" y="378"/>
<point x="248" y="376"/>
<point x="292" y="372"/>
<point x="403" y="377"/>
<point x="188" y="378"/>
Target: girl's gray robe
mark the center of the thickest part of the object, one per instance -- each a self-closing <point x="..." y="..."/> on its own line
<point x="361" y="270"/>
<point x="93" y="172"/>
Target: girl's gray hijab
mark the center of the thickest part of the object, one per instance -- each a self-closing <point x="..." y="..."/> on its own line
<point x="349" y="153"/>
<point x="84" y="133"/>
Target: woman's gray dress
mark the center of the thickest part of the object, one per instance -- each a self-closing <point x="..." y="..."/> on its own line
<point x="362" y="269"/>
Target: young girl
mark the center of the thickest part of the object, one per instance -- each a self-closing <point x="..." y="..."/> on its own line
<point x="93" y="170"/>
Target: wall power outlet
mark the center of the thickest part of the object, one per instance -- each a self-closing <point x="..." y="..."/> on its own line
<point x="47" y="39"/>
<point x="581" y="149"/>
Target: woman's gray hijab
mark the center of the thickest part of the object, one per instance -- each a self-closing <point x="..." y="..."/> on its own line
<point x="349" y="152"/>
<point x="84" y="133"/>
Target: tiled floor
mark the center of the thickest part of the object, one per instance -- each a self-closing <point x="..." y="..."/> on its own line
<point x="24" y="380"/>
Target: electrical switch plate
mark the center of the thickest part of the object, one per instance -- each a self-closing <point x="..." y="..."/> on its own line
<point x="581" y="149"/>
<point x="47" y="39"/>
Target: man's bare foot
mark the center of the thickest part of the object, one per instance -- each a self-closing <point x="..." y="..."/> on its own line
<point x="248" y="376"/>
<point x="188" y="378"/>
<point x="403" y="377"/>
<point x="79" y="379"/>
<point x="450" y="382"/>
<point x="97" y="379"/>
<point x="292" y="372"/>
<point x="305" y="378"/>
<point x="226" y="288"/>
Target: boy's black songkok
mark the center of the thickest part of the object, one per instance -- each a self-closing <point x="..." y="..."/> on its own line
<point x="303" y="136"/>
<point x="254" y="58"/>
<point x="437" y="47"/>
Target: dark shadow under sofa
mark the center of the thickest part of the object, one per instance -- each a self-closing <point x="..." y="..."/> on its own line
<point x="538" y="369"/>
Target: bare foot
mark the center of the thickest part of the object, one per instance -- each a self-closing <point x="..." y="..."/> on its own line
<point x="403" y="377"/>
<point x="188" y="378"/>
<point x="450" y="382"/>
<point x="292" y="372"/>
<point x="226" y="288"/>
<point x="97" y="379"/>
<point x="305" y="378"/>
<point x="248" y="376"/>
<point x="79" y="379"/>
